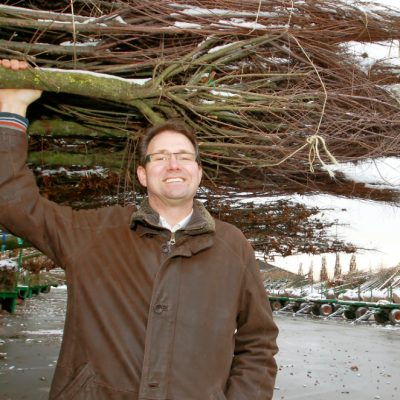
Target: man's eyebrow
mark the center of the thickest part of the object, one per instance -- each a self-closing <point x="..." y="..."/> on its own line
<point x="178" y="151"/>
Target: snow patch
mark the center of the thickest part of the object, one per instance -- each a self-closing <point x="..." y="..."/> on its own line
<point x="216" y="48"/>
<point x="224" y="94"/>
<point x="8" y="264"/>
<point x="241" y="23"/>
<point x="45" y="332"/>
<point x="89" y="43"/>
<point x="98" y="75"/>
<point x="186" y="25"/>
<point x="381" y="174"/>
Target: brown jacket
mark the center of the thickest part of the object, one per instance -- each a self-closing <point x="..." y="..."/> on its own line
<point x="146" y="320"/>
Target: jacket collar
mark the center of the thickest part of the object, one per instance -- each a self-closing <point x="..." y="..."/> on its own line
<point x="201" y="221"/>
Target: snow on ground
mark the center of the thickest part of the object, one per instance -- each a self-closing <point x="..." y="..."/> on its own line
<point x="380" y="173"/>
<point x="8" y="264"/>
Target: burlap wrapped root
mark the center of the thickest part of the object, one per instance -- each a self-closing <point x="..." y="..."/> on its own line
<point x="375" y="296"/>
<point x="349" y="295"/>
<point x="396" y="295"/>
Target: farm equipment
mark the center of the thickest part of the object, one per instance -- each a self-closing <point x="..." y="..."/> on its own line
<point x="356" y="296"/>
<point x="17" y="286"/>
<point x="356" y="311"/>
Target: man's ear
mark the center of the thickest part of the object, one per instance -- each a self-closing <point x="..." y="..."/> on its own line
<point x="141" y="174"/>
<point x="200" y="173"/>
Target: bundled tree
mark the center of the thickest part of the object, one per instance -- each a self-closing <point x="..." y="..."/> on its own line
<point x="353" y="264"/>
<point x="280" y="227"/>
<point x="338" y="267"/>
<point x="267" y="94"/>
<point x="311" y="273"/>
<point x="300" y="271"/>
<point x="323" y="277"/>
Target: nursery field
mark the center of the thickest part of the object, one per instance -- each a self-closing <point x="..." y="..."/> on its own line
<point x="318" y="358"/>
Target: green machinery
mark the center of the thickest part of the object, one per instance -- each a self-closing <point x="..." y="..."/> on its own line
<point x="24" y="286"/>
<point x="356" y="311"/>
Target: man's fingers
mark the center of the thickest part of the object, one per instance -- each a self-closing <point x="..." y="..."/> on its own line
<point x="6" y="63"/>
<point x="14" y="64"/>
<point x="23" y="65"/>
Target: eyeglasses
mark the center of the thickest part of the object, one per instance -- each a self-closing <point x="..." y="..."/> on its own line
<point x="163" y="158"/>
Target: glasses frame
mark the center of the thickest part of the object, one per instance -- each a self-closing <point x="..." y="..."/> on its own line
<point x="147" y="159"/>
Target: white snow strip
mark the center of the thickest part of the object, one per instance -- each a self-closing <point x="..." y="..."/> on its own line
<point x="241" y="23"/>
<point x="186" y="25"/>
<point x="225" y="94"/>
<point x="96" y="74"/>
<point x="198" y="11"/>
<point x="68" y="22"/>
<point x="90" y="43"/>
<point x="214" y="49"/>
<point x="45" y="332"/>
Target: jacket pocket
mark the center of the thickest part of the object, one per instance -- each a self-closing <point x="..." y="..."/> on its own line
<point x="82" y="376"/>
<point x="219" y="395"/>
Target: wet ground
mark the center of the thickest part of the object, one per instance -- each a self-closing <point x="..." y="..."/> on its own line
<point x="336" y="359"/>
<point x="319" y="359"/>
<point x="32" y="340"/>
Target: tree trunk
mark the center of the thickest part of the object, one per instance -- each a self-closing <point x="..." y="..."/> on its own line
<point x="82" y="83"/>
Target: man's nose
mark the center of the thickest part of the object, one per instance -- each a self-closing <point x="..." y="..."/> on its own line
<point x="173" y="162"/>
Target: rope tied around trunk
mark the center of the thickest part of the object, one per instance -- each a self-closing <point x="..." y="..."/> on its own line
<point x="313" y="141"/>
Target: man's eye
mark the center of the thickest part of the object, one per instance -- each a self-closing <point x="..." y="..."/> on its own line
<point x="185" y="157"/>
<point x="159" y="157"/>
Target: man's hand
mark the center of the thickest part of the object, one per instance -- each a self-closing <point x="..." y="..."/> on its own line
<point x="17" y="100"/>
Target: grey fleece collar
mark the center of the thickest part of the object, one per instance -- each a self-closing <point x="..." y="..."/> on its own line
<point x="200" y="222"/>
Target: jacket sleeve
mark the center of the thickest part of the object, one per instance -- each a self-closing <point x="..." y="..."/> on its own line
<point x="59" y="232"/>
<point x="254" y="367"/>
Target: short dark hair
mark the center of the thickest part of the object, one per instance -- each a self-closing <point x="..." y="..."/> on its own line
<point x="169" y="126"/>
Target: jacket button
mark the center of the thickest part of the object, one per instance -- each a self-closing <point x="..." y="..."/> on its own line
<point x="165" y="248"/>
<point x="158" y="308"/>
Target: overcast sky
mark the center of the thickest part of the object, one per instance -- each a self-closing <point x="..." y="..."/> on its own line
<point x="370" y="225"/>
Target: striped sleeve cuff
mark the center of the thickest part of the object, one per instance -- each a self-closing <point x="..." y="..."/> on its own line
<point x="10" y="120"/>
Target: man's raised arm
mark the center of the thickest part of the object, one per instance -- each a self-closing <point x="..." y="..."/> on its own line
<point x="56" y="231"/>
<point x="16" y="101"/>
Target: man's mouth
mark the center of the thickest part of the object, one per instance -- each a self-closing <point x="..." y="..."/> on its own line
<point x="169" y="180"/>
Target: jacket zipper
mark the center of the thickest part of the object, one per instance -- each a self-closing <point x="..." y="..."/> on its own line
<point x="172" y="241"/>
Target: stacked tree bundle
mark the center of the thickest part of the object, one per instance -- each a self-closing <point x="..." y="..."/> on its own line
<point x="268" y="86"/>
<point x="262" y="87"/>
<point x="37" y="264"/>
<point x="282" y="227"/>
<point x="8" y="275"/>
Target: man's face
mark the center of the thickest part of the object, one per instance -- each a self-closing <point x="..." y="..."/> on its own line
<point x="170" y="183"/>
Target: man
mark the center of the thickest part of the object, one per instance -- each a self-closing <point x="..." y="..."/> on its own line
<point x="164" y="302"/>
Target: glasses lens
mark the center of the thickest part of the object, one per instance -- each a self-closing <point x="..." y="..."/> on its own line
<point x="183" y="158"/>
<point x="159" y="157"/>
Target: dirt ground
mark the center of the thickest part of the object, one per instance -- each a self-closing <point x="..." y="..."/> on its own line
<point x="315" y="361"/>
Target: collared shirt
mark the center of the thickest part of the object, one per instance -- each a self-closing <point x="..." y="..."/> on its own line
<point x="181" y="224"/>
